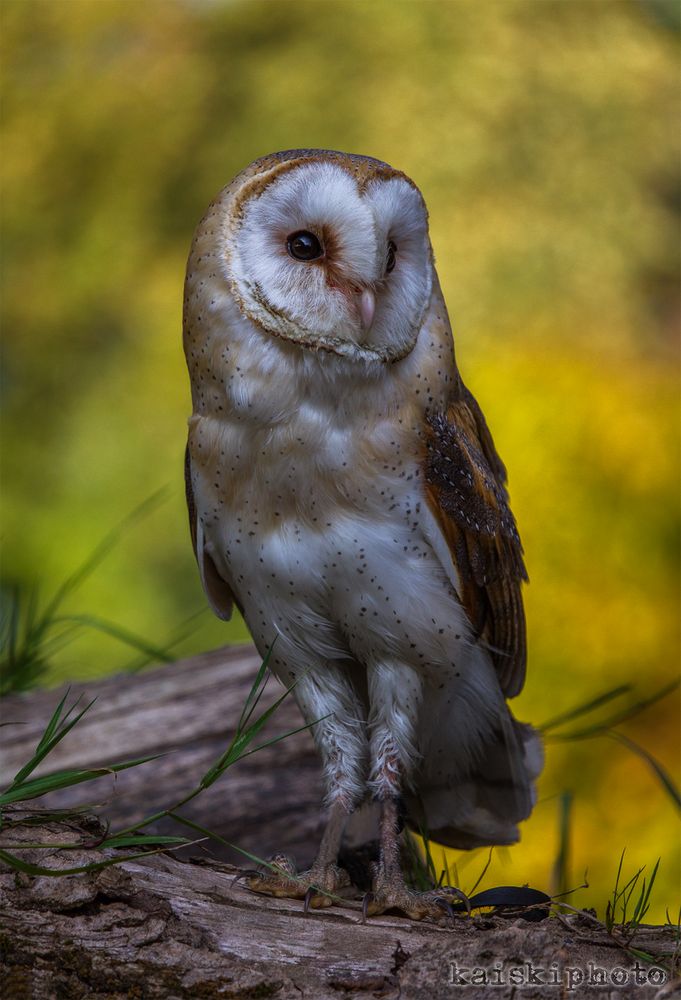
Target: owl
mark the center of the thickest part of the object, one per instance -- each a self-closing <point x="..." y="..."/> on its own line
<point x="344" y="492"/>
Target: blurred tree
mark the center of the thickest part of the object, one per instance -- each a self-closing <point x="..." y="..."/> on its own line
<point x="540" y="134"/>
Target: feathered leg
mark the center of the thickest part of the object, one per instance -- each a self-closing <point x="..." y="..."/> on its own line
<point x="393" y="756"/>
<point x="340" y="737"/>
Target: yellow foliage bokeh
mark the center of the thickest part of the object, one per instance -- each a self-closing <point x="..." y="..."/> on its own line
<point x="541" y="136"/>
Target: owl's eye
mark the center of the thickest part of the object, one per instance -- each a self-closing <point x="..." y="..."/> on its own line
<point x="390" y="259"/>
<point x="304" y="246"/>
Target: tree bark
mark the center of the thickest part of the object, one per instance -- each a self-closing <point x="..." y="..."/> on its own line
<point x="188" y="711"/>
<point x="158" y="927"/>
<point x="167" y="926"/>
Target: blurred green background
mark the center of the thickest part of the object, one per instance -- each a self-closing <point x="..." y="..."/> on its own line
<point x="543" y="137"/>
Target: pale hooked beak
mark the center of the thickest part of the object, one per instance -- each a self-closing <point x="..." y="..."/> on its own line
<point x="367" y="308"/>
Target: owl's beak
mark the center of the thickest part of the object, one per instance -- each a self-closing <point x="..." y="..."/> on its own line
<point x="367" y="307"/>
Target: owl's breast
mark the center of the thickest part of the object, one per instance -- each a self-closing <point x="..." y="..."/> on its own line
<point x="306" y="471"/>
<point x="325" y="547"/>
<point x="306" y="467"/>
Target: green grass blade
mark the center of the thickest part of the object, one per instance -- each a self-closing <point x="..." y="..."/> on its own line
<point x="639" y="906"/>
<point x="44" y="748"/>
<point x="54" y="722"/>
<point x="599" y="728"/>
<point x="51" y="644"/>
<point x="619" y="873"/>
<point x="237" y="748"/>
<point x="183" y="631"/>
<point x="65" y="779"/>
<point x="161" y="814"/>
<point x="137" y="840"/>
<point x="584" y="709"/>
<point x="643" y="955"/>
<point x="623" y="897"/>
<point x="33" y="625"/>
<point x="26" y="639"/>
<point x="216" y="836"/>
<point x="482" y="873"/>
<point x="235" y="751"/>
<point x="119" y="633"/>
<point x="100" y="551"/>
<point x="661" y="773"/>
<point x="610" y="910"/>
<point x="283" y="736"/>
<point x="10" y="636"/>
<point x="115" y="841"/>
<point x="643" y="904"/>
<point x="29" y="869"/>
<point x="257" y="688"/>
<point x="560" y="868"/>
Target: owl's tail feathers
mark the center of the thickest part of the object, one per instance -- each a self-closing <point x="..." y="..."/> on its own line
<point x="484" y="808"/>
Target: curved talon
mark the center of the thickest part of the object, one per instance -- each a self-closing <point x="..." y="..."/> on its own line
<point x="282" y="880"/>
<point x="308" y="899"/>
<point x="444" y="904"/>
<point x="247" y="873"/>
<point x="453" y="891"/>
<point x="368" y="898"/>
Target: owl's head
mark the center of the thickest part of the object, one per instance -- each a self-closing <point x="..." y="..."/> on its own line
<point x="329" y="250"/>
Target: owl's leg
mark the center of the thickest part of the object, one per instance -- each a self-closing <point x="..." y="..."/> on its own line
<point x="394" y="693"/>
<point x="389" y="889"/>
<point x="326" y="695"/>
<point x="316" y="885"/>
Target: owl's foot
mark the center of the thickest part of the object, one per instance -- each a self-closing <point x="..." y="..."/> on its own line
<point x="281" y="879"/>
<point x="392" y="893"/>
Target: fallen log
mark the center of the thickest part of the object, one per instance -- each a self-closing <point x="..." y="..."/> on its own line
<point x="167" y="926"/>
<point x="188" y="711"/>
<point x="159" y="928"/>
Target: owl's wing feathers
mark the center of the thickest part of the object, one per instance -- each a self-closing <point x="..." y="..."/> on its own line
<point x="217" y="590"/>
<point x="466" y="492"/>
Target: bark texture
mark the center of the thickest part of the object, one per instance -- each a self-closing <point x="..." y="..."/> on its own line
<point x="158" y="927"/>
<point x="167" y="926"/>
<point x="187" y="711"/>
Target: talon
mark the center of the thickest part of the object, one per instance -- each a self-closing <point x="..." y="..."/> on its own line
<point x="247" y="873"/>
<point x="308" y="899"/>
<point x="444" y="904"/>
<point x="453" y="891"/>
<point x="368" y="899"/>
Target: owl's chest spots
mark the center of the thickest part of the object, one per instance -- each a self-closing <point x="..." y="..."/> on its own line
<point x="304" y="469"/>
<point x="293" y="502"/>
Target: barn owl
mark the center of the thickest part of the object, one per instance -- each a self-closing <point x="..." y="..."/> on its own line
<point x="345" y="494"/>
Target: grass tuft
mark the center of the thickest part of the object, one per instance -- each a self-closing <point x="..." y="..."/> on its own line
<point x="23" y="788"/>
<point x="629" y="904"/>
<point x="31" y="633"/>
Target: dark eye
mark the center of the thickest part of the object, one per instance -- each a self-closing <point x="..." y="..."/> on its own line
<point x="390" y="259"/>
<point x="304" y="246"/>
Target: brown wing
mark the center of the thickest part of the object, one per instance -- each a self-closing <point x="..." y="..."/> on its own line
<point x="217" y="590"/>
<point x="465" y="486"/>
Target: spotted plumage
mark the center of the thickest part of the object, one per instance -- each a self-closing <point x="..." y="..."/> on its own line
<point x="345" y="493"/>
